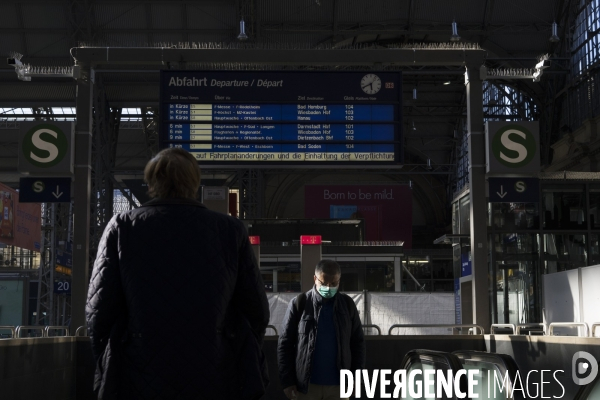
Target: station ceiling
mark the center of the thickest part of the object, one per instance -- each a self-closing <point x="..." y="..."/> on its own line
<point x="513" y="34"/>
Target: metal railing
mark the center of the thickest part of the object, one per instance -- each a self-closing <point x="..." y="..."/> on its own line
<point x="10" y="328"/>
<point x="22" y="328"/>
<point x="273" y="327"/>
<point x="453" y="326"/>
<point x="505" y="326"/>
<point x="525" y="326"/>
<point x="373" y="326"/>
<point x="593" y="328"/>
<point x="81" y="328"/>
<point x="577" y="325"/>
<point x="47" y="330"/>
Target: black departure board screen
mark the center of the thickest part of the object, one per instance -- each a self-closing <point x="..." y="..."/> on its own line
<point x="283" y="118"/>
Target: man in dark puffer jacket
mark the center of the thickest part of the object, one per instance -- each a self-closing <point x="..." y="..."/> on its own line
<point x="176" y="296"/>
<point x="322" y="334"/>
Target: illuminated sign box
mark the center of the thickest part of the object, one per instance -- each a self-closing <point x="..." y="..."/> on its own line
<point x="310" y="239"/>
<point x="302" y="118"/>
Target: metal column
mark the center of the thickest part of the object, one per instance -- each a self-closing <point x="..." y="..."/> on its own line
<point x="45" y="295"/>
<point x="251" y="186"/>
<point x="477" y="167"/>
<point x="82" y="184"/>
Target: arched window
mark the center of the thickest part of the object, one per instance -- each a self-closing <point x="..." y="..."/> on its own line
<point x="586" y="37"/>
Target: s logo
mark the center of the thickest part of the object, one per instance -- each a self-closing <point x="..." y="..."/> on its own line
<point x="45" y="145"/>
<point x="585" y="368"/>
<point x="514" y="146"/>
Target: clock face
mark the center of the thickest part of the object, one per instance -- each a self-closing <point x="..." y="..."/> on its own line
<point x="370" y="84"/>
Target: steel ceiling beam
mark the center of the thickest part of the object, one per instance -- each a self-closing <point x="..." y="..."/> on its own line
<point x="161" y="55"/>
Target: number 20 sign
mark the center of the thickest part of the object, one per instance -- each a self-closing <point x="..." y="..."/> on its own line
<point x="62" y="287"/>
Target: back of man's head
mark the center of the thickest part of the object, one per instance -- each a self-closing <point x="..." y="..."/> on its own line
<point x="328" y="267"/>
<point x="173" y="173"/>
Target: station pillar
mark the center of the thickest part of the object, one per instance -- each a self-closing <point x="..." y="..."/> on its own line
<point x="255" y="244"/>
<point x="310" y="255"/>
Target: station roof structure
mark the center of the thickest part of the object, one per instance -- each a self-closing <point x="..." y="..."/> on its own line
<point x="511" y="34"/>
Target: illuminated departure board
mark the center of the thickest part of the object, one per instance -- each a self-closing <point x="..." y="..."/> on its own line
<point x="283" y="118"/>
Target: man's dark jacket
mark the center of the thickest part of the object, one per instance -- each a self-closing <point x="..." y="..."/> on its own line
<point x="297" y="341"/>
<point x="176" y="306"/>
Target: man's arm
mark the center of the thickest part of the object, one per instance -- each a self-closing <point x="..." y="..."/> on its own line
<point x="250" y="288"/>
<point x="105" y="292"/>
<point x="286" y="347"/>
<point x="357" y="339"/>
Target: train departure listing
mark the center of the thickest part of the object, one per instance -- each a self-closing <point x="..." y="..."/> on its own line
<point x="301" y="118"/>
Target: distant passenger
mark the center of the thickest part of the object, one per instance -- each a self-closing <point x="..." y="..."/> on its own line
<point x="176" y="306"/>
<point x="322" y="334"/>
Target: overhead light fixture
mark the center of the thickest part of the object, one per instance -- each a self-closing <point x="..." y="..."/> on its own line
<point x="554" y="38"/>
<point x="242" y="35"/>
<point x="454" y="37"/>
<point x="429" y="167"/>
<point x="447" y="83"/>
<point x="414" y="128"/>
<point x="414" y="93"/>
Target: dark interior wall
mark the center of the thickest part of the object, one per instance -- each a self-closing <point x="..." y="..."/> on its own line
<point x="63" y="368"/>
<point x="43" y="368"/>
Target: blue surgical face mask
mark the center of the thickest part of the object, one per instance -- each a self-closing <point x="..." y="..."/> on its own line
<point x="327" y="292"/>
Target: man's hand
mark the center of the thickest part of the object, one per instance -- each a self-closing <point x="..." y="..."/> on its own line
<point x="291" y="392"/>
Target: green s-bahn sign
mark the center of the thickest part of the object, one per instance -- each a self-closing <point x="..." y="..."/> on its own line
<point x="512" y="148"/>
<point x="46" y="148"/>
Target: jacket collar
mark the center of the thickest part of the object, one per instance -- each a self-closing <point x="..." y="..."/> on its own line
<point x="173" y="201"/>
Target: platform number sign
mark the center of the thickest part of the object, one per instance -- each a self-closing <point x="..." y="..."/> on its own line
<point x="46" y="148"/>
<point x="62" y="287"/>
<point x="513" y="147"/>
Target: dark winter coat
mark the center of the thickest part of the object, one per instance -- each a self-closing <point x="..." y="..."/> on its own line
<point x="297" y="341"/>
<point x="176" y="306"/>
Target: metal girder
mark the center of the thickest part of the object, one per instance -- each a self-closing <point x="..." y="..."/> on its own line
<point x="251" y="186"/>
<point x="45" y="295"/>
<point x="57" y="220"/>
<point x="140" y="56"/>
<point x="150" y="127"/>
<point x="104" y="147"/>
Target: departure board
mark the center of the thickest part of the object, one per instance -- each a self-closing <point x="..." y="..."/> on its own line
<point x="283" y="118"/>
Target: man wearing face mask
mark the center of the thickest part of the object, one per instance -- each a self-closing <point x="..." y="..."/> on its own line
<point x="322" y="334"/>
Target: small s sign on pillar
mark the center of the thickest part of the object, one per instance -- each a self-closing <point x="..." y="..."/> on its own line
<point x="46" y="148"/>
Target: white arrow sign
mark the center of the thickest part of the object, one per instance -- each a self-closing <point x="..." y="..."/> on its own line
<point x="58" y="193"/>
<point x="502" y="192"/>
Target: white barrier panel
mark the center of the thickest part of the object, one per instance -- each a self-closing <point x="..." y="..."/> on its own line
<point x="387" y="309"/>
<point x="278" y="303"/>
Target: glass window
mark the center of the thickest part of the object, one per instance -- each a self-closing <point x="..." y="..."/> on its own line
<point x="455" y="218"/>
<point x="287" y="273"/>
<point x="586" y="37"/>
<point x="594" y="249"/>
<point x="595" y="208"/>
<point x="465" y="215"/>
<point x="564" y="252"/>
<point x="374" y="276"/>
<point x="516" y="215"/>
<point x="443" y="286"/>
<point x="517" y="286"/>
<point x="267" y="277"/>
<point x="564" y="208"/>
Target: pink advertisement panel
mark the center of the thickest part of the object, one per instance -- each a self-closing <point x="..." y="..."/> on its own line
<point x="386" y="209"/>
<point x="20" y="223"/>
